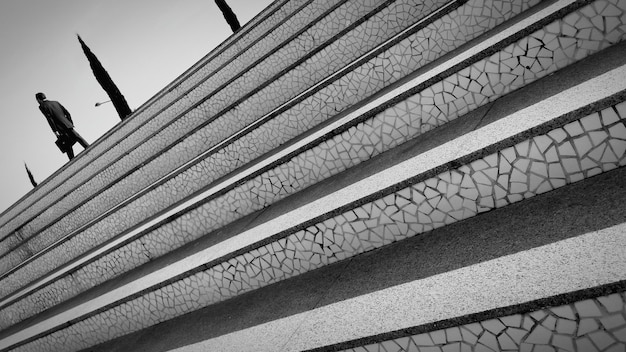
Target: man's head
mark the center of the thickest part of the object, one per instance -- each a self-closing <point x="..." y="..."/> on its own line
<point x="40" y="97"/>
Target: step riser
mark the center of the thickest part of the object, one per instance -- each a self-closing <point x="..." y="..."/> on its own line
<point x="427" y="207"/>
<point x="451" y="196"/>
<point x="210" y="135"/>
<point x="129" y="144"/>
<point x="112" y="196"/>
<point x="262" y="137"/>
<point x="160" y="241"/>
<point x="584" y="324"/>
<point x="545" y="276"/>
<point x="271" y="17"/>
<point x="153" y="125"/>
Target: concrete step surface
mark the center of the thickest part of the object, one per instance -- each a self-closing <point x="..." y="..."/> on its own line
<point x="371" y="236"/>
<point x="168" y="193"/>
<point x="146" y="166"/>
<point x="472" y="204"/>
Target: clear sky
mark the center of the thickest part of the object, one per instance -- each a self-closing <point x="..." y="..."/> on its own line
<point x="143" y="44"/>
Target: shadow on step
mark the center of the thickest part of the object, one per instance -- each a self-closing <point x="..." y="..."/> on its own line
<point x="583" y="207"/>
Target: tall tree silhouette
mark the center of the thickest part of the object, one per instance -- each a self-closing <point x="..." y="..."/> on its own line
<point x="229" y="15"/>
<point x="118" y="100"/>
<point x="30" y="176"/>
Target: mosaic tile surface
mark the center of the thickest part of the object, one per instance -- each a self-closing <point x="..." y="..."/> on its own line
<point x="591" y="325"/>
<point x="260" y="25"/>
<point x="580" y="149"/>
<point x="324" y="30"/>
<point x="254" y="144"/>
<point x="84" y="168"/>
<point x="265" y="189"/>
<point x="212" y="134"/>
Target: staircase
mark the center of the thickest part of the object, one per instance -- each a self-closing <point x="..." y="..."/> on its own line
<point x="347" y="175"/>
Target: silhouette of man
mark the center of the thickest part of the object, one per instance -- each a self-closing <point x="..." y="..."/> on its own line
<point x="61" y="123"/>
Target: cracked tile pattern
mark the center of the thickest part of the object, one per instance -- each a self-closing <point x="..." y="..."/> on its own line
<point x="323" y="30"/>
<point x="208" y="64"/>
<point x="590" y="325"/>
<point x="381" y="25"/>
<point x="85" y="168"/>
<point x="386" y="130"/>
<point x="582" y="148"/>
<point x="326" y="29"/>
<point x="292" y="119"/>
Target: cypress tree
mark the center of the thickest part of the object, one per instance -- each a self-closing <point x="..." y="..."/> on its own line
<point x="30" y="176"/>
<point x="118" y="100"/>
<point x="229" y="15"/>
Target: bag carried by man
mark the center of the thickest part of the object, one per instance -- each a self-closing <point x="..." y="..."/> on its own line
<point x="65" y="142"/>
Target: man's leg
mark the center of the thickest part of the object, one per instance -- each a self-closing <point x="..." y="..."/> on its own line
<point x="70" y="153"/>
<point x="80" y="139"/>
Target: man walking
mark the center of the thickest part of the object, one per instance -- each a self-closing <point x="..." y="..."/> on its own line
<point x="61" y="123"/>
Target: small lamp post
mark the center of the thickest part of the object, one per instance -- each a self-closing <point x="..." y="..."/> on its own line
<point x="104" y="102"/>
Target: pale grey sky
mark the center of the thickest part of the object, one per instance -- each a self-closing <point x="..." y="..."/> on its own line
<point x="143" y="44"/>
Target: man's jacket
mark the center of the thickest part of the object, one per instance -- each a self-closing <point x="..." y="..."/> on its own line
<point x="58" y="117"/>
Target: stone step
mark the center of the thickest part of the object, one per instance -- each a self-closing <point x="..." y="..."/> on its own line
<point x="197" y="171"/>
<point x="107" y="192"/>
<point x="453" y="173"/>
<point x="75" y="246"/>
<point x="70" y="247"/>
<point x="121" y="154"/>
<point x="544" y="271"/>
<point x="256" y="29"/>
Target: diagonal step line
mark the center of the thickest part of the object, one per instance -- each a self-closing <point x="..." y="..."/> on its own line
<point x="144" y="140"/>
<point x="523" y="120"/>
<point x="266" y="14"/>
<point x="181" y="113"/>
<point x="444" y="9"/>
<point x="452" y="4"/>
<point x="258" y="167"/>
<point x="472" y="289"/>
